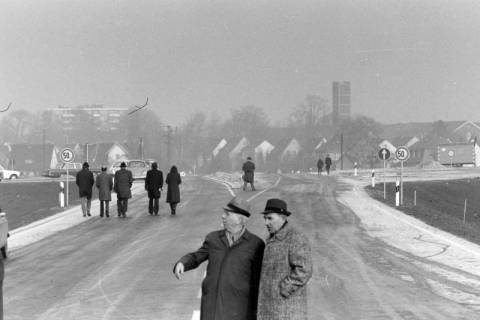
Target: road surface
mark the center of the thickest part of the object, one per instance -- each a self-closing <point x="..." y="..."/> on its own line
<point x="122" y="268"/>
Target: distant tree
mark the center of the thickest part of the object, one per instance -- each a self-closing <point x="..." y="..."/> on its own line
<point x="361" y="136"/>
<point x="17" y="126"/>
<point x="248" y="121"/>
<point x="439" y="129"/>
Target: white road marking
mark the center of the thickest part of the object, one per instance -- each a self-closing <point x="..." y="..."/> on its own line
<point x="264" y="190"/>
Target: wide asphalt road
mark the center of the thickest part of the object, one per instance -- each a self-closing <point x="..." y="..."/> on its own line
<point x="122" y="268"/>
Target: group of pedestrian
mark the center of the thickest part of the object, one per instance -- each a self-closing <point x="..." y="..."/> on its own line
<point x="328" y="164"/>
<point x="121" y="183"/>
<point x="248" y="278"/>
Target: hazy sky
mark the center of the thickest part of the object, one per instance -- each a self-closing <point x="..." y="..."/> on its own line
<point x="406" y="60"/>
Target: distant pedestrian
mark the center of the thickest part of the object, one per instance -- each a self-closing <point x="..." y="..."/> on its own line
<point x="328" y="163"/>
<point x="230" y="288"/>
<point x="286" y="267"/>
<point x="85" y="181"/>
<point x="173" y="192"/>
<point x="248" y="168"/>
<point x="154" y="186"/>
<point x="104" y="185"/>
<point x="122" y="186"/>
<point x="319" y="166"/>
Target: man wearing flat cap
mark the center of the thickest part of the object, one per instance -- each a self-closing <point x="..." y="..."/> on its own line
<point x="286" y="267"/>
<point x="104" y="185"/>
<point x="230" y="288"/>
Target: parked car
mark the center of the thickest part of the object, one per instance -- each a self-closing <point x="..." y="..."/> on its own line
<point x="4" y="234"/>
<point x="73" y="169"/>
<point x="8" y="174"/>
<point x="139" y="168"/>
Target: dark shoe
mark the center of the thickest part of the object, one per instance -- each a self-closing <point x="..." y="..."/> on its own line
<point x="88" y="214"/>
<point x="119" y="214"/>
<point x="101" y="216"/>
<point x="107" y="215"/>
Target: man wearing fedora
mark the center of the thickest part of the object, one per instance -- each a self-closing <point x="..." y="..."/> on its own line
<point x="230" y="288"/>
<point x="248" y="168"/>
<point x="84" y="180"/>
<point x="286" y="267"/>
<point x="122" y="186"/>
<point x="104" y="185"/>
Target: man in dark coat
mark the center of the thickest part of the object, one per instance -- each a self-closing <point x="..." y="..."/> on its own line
<point x="123" y="182"/>
<point x="85" y="181"/>
<point x="153" y="185"/>
<point x="173" y="182"/>
<point x="286" y="267"/>
<point x="328" y="163"/>
<point x="230" y="288"/>
<point x="319" y="166"/>
<point x="248" y="168"/>
<point x="104" y="185"/>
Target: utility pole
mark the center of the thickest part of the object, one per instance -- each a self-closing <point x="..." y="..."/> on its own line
<point x="44" y="138"/>
<point x="169" y="145"/>
<point x="341" y="151"/>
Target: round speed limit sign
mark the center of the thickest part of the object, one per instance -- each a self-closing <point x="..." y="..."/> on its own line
<point x="402" y="153"/>
<point x="67" y="155"/>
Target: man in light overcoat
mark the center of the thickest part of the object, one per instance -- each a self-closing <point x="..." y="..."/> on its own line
<point x="286" y="267"/>
<point x="104" y="185"/>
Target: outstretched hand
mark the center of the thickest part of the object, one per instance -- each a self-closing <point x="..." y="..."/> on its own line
<point x="178" y="270"/>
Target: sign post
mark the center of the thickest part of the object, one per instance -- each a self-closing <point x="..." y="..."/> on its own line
<point x="451" y="153"/>
<point x="384" y="154"/>
<point x="402" y="154"/>
<point x="67" y="157"/>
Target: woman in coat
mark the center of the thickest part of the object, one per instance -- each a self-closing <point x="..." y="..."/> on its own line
<point x="173" y="181"/>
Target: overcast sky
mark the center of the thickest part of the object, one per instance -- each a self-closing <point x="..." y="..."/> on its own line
<point x="406" y="60"/>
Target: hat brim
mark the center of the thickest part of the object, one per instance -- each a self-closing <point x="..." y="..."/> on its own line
<point x="285" y="213"/>
<point x="236" y="210"/>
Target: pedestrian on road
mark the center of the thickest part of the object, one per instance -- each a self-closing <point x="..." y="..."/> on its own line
<point x="319" y="166"/>
<point x="154" y="186"/>
<point x="104" y="185"/>
<point x="122" y="185"/>
<point x="173" y="192"/>
<point x="286" y="267"/>
<point x="248" y="168"/>
<point x="84" y="180"/>
<point x="328" y="163"/>
<point x="230" y="288"/>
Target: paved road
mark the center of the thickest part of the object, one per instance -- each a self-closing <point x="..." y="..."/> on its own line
<point x="121" y="269"/>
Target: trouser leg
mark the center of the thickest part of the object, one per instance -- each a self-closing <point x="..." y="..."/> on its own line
<point x="125" y="206"/>
<point x="150" y="205"/>
<point x="253" y="187"/>
<point x="107" y="207"/>
<point x="102" y="203"/>
<point x="83" y="202"/>
<point x="155" y="205"/>
<point x="89" y="205"/>
<point x="119" y="206"/>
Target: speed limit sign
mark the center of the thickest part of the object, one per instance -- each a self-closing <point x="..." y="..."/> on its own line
<point x="402" y="153"/>
<point x="67" y="155"/>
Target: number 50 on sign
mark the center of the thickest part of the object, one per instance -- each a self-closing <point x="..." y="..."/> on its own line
<point x="67" y="155"/>
<point x="402" y="153"/>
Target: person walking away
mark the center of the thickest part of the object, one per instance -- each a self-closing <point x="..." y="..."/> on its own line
<point x="286" y="267"/>
<point x="328" y="164"/>
<point x="173" y="182"/>
<point x="319" y="166"/>
<point x="154" y="185"/>
<point x="248" y="168"/>
<point x="122" y="185"/>
<point x="230" y="288"/>
<point x="104" y="185"/>
<point x="84" y="180"/>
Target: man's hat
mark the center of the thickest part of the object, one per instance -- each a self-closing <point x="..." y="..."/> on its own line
<point x="123" y="165"/>
<point x="85" y="165"/>
<point x="103" y="167"/>
<point x="238" y="206"/>
<point x="249" y="158"/>
<point x="277" y="206"/>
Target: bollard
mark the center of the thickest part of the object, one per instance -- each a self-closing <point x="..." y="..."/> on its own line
<point x="355" y="165"/>
<point x="61" y="195"/>
<point x="373" y="178"/>
<point x="397" y="193"/>
<point x="464" y="211"/>
<point x="415" y="198"/>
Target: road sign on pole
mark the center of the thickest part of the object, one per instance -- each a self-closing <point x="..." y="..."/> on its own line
<point x="67" y="155"/>
<point x="402" y="154"/>
<point x="384" y="154"/>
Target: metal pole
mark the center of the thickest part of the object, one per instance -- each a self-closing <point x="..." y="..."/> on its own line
<point x="384" y="182"/>
<point x="341" y="151"/>
<point x="66" y="202"/>
<point x="415" y="197"/>
<point x="464" y="211"/>
<point x="401" y="183"/>
<point x="397" y="193"/>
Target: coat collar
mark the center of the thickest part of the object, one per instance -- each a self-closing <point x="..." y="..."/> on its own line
<point x="246" y="236"/>
<point x="282" y="233"/>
